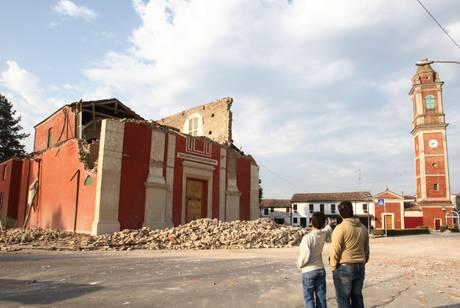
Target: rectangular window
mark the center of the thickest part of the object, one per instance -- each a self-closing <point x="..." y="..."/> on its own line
<point x="436" y="187"/>
<point x="265" y="211"/>
<point x="333" y="208"/>
<point x="365" y="207"/>
<point x="50" y="136"/>
<point x="321" y="208"/>
<point x="294" y="207"/>
<point x="311" y="208"/>
<point x="193" y="126"/>
<point x="295" y="220"/>
<point x="272" y="209"/>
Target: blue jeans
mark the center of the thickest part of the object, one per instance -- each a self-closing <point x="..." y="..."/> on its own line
<point x="314" y="288"/>
<point x="348" y="283"/>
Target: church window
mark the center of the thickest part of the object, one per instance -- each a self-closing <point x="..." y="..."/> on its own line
<point x="50" y="134"/>
<point x="194" y="125"/>
<point x="430" y="102"/>
<point x="436" y="187"/>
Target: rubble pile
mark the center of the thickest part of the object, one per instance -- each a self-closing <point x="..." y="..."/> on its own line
<point x="11" y="239"/>
<point x="198" y="234"/>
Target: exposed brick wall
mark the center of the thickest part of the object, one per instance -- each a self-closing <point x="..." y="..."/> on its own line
<point x="216" y="119"/>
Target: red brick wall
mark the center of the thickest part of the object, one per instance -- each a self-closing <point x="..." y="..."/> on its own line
<point x="23" y="189"/>
<point x="243" y="177"/>
<point x="429" y="214"/>
<point x="56" y="206"/>
<point x="413" y="222"/>
<point x="59" y="124"/>
<point x="177" y="187"/>
<point x="134" y="173"/>
<point x="10" y="177"/>
<point x="435" y="165"/>
<point x="441" y="181"/>
<point x="436" y="136"/>
<point x="433" y="92"/>
<point x="216" y="183"/>
<point x="390" y="207"/>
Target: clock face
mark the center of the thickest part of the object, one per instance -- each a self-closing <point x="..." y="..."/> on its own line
<point x="433" y="143"/>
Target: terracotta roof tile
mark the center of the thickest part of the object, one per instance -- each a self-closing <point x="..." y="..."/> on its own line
<point x="335" y="196"/>
<point x="278" y="203"/>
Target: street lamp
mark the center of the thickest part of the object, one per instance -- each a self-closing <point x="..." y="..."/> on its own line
<point x="426" y="62"/>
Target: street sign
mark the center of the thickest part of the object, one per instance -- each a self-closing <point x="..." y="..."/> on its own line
<point x="381" y="202"/>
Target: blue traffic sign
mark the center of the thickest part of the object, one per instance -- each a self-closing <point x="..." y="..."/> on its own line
<point x="381" y="202"/>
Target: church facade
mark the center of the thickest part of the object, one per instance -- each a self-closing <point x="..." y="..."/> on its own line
<point x="98" y="167"/>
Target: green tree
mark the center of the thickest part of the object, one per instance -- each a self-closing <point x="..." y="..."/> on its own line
<point x="10" y="131"/>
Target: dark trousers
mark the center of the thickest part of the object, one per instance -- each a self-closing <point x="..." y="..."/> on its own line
<point x="348" y="283"/>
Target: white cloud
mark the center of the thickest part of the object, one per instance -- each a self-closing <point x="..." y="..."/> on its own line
<point x="69" y="8"/>
<point x="24" y="91"/>
<point x="23" y="83"/>
<point x="320" y="93"/>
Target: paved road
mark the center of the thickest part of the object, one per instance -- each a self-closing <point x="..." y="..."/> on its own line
<point x="403" y="272"/>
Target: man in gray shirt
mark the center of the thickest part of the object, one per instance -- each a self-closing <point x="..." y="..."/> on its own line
<point x="310" y="262"/>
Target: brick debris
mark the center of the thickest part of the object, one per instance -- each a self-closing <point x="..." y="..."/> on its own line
<point x="198" y="234"/>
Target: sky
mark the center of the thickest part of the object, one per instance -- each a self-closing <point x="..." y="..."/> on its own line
<point x="320" y="88"/>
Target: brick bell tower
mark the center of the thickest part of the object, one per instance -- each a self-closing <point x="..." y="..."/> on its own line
<point x="430" y="146"/>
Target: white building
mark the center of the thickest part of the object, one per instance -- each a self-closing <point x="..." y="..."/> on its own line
<point x="303" y="206"/>
<point x="278" y="210"/>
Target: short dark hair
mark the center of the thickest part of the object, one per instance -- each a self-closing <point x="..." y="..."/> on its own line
<point x="346" y="209"/>
<point x="317" y="220"/>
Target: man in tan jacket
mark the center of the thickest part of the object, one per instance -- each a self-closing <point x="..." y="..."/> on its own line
<point x="348" y="255"/>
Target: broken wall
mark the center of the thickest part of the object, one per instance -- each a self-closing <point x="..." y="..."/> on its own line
<point x="216" y="120"/>
<point x="66" y="190"/>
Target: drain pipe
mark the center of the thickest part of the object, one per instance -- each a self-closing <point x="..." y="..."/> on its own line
<point x="77" y="174"/>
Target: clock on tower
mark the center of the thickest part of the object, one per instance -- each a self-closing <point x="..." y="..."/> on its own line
<point x="430" y="146"/>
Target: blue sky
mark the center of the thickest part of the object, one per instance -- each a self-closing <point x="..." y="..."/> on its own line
<point x="320" y="87"/>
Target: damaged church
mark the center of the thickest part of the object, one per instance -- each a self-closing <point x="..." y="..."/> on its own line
<point x="99" y="167"/>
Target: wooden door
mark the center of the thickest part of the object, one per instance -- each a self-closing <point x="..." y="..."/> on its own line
<point x="389" y="221"/>
<point x="195" y="200"/>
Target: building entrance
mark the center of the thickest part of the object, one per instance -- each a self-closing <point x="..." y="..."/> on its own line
<point x="388" y="222"/>
<point x="437" y="224"/>
<point x="195" y="200"/>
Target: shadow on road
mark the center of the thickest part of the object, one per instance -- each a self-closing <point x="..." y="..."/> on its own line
<point x="41" y="292"/>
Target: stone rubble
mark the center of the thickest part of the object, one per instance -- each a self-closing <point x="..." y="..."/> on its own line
<point x="199" y="234"/>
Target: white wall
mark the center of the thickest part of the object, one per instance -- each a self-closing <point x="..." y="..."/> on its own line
<point x="277" y="213"/>
<point x="303" y="209"/>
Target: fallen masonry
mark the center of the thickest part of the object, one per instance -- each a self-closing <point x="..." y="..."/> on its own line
<point x="198" y="234"/>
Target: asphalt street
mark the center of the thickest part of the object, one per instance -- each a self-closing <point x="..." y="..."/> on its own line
<point x="415" y="271"/>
